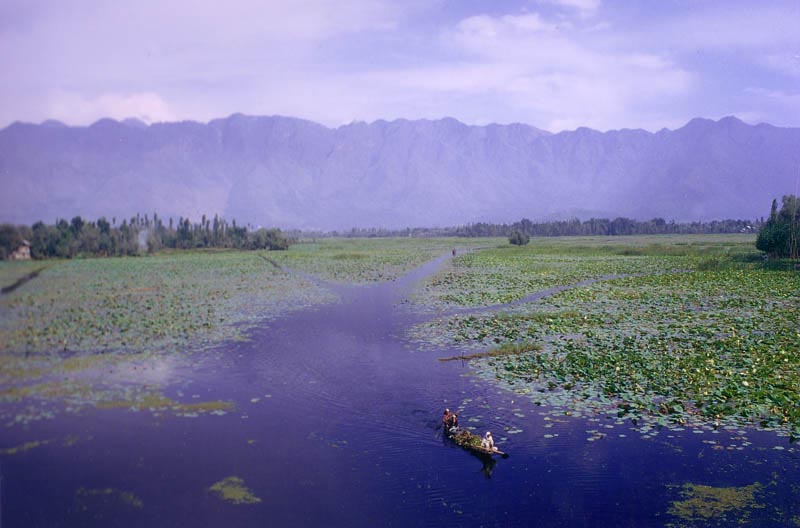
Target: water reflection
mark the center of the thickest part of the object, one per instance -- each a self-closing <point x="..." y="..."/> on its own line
<point x="488" y="466"/>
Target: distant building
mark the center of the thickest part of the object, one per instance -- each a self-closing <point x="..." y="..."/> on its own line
<point x="23" y="252"/>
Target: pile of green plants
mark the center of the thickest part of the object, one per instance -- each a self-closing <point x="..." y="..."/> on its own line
<point x="466" y="439"/>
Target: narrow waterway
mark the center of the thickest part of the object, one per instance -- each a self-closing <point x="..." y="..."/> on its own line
<point x="336" y="425"/>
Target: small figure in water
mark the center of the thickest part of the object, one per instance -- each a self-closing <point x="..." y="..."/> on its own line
<point x="488" y="441"/>
<point x="454" y="252"/>
<point x="449" y="419"/>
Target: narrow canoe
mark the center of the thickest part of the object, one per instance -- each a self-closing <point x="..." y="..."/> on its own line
<point x="475" y="448"/>
<point x="484" y="451"/>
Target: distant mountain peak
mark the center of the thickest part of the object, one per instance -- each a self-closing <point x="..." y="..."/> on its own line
<point x="134" y="123"/>
<point x="104" y="122"/>
<point x="53" y="123"/>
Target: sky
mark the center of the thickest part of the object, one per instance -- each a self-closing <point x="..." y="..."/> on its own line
<point x="553" y="64"/>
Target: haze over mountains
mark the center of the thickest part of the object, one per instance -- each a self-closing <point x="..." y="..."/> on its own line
<point x="286" y="172"/>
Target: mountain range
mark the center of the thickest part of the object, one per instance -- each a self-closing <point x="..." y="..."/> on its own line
<point x="293" y="173"/>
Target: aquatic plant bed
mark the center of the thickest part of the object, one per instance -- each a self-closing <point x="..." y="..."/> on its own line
<point x="508" y="273"/>
<point x="85" y="316"/>
<point x="146" y="303"/>
<point x="361" y="261"/>
<point x="14" y="272"/>
<point x="92" y="332"/>
<point x="705" y="347"/>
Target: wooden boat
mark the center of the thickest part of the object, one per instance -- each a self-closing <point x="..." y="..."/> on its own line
<point x="484" y="451"/>
<point x="471" y="442"/>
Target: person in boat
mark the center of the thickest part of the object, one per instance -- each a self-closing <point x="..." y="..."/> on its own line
<point x="488" y="441"/>
<point x="446" y="418"/>
<point x="454" y="421"/>
<point x="449" y="420"/>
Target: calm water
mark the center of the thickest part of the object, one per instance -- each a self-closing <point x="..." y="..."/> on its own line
<point x="336" y="426"/>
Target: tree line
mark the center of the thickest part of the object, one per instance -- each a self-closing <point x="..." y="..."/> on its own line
<point x="780" y="234"/>
<point x="134" y="236"/>
<point x="572" y="227"/>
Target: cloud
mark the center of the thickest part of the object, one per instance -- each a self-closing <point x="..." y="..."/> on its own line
<point x="734" y="28"/>
<point x="585" y="8"/>
<point x="543" y="70"/>
<point x="75" y="109"/>
<point x="551" y="63"/>
<point x="787" y="63"/>
<point x="783" y="98"/>
<point x="775" y="106"/>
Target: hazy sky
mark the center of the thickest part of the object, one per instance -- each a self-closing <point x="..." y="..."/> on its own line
<point x="554" y="64"/>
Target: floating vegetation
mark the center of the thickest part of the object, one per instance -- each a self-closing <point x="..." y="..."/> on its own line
<point x="362" y="261"/>
<point x="76" y="395"/>
<point x="147" y="304"/>
<point x="715" y="506"/>
<point x="27" y="446"/>
<point x="14" y="271"/>
<point x="233" y="490"/>
<point x="509" y="349"/>
<point x="706" y="348"/>
<point x="91" y="499"/>
<point x="336" y="444"/>
<point x="88" y="332"/>
<point x="507" y="274"/>
<point x="155" y="401"/>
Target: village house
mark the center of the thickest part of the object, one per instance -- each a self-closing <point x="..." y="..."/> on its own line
<point x="23" y="252"/>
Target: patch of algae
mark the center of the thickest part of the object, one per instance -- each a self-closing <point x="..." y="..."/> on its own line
<point x="232" y="489"/>
<point x="89" y="498"/>
<point x="159" y="401"/>
<point x="27" y="446"/>
<point x="702" y="505"/>
<point x="46" y="390"/>
<point x="15" y="368"/>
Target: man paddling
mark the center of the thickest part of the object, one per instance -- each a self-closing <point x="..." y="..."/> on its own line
<point x="488" y="442"/>
<point x="449" y="420"/>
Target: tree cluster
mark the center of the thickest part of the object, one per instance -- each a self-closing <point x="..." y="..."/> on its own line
<point x="780" y="234"/>
<point x="133" y="236"/>
<point x="605" y="227"/>
<point x="518" y="238"/>
<point x="573" y="227"/>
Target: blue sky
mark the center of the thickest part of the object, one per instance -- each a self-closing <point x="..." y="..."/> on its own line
<point x="554" y="64"/>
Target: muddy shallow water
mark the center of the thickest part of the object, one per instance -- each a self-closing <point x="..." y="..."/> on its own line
<point x="336" y="425"/>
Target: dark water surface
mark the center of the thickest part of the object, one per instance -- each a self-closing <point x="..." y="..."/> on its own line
<point x="336" y="425"/>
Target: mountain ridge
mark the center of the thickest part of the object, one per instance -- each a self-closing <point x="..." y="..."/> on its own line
<point x="291" y="172"/>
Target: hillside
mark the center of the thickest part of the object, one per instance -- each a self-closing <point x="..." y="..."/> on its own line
<point x="294" y="173"/>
